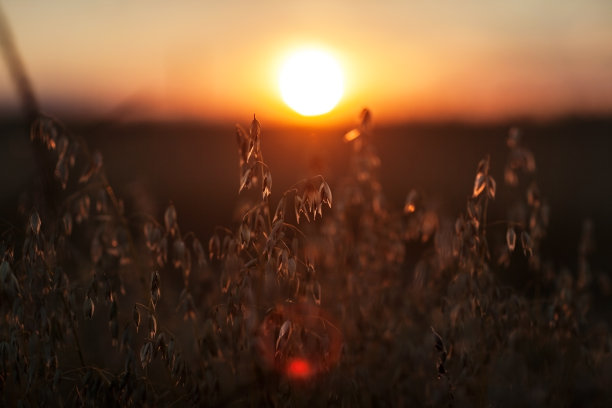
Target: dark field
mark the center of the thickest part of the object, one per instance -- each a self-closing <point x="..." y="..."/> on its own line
<point x="195" y="167"/>
<point x="372" y="305"/>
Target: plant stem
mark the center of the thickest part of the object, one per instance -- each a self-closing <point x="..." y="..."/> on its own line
<point x="74" y="332"/>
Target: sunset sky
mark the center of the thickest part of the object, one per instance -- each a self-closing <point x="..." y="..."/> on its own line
<point x="406" y="60"/>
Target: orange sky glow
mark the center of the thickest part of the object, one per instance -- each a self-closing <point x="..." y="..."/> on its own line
<point x="405" y="60"/>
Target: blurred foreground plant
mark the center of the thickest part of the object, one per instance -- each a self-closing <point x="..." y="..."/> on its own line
<point x="365" y="306"/>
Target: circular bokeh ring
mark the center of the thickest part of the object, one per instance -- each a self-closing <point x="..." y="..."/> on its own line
<point x="299" y="340"/>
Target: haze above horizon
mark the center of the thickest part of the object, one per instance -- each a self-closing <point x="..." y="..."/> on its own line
<point x="404" y="60"/>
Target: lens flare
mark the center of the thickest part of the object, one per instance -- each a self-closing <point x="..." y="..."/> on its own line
<point x="299" y="368"/>
<point x="301" y="356"/>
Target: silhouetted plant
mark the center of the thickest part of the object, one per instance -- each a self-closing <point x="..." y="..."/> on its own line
<point x="358" y="305"/>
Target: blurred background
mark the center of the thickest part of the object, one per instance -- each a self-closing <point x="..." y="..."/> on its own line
<point x="157" y="88"/>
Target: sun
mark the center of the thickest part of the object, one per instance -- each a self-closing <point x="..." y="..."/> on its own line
<point x="311" y="82"/>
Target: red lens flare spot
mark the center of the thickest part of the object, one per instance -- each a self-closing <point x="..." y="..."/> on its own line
<point x="314" y="350"/>
<point x="299" y="368"/>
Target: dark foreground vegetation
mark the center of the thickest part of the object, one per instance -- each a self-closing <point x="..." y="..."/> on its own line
<point x="324" y="297"/>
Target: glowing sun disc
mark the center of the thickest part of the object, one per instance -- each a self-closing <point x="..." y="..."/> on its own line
<point x="311" y="82"/>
